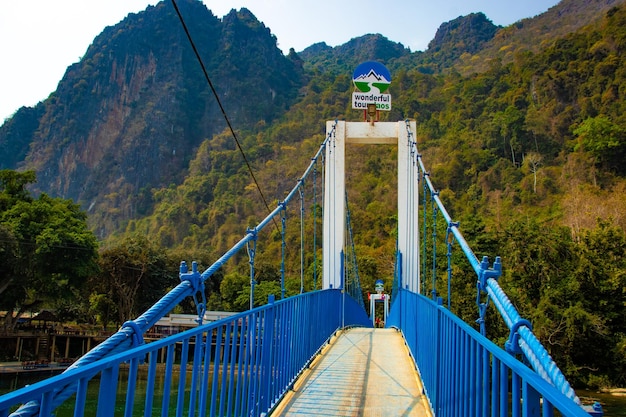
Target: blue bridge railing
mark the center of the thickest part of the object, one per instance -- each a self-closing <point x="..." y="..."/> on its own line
<point x="240" y="365"/>
<point x="465" y="374"/>
<point x="464" y="356"/>
<point x="44" y="399"/>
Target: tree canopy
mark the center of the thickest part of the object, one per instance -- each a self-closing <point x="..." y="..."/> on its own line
<point x="47" y="250"/>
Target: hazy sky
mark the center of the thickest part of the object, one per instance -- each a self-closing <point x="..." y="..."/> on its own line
<point x="39" y="39"/>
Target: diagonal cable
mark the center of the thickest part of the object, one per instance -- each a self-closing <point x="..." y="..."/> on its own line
<point x="208" y="79"/>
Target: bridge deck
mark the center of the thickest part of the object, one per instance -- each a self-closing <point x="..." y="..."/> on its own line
<point x="364" y="372"/>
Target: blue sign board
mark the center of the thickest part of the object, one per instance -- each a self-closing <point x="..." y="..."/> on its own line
<point x="371" y="79"/>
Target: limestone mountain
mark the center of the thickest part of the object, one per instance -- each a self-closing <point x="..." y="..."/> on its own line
<point x="136" y="114"/>
<point x="16" y="135"/>
<point x="130" y="115"/>
<point x="463" y="35"/>
<point x="346" y="57"/>
<point x="535" y="33"/>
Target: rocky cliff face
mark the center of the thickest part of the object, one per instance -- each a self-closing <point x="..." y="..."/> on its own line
<point x="130" y="115"/>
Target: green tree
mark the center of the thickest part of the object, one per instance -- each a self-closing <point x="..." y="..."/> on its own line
<point x="13" y="186"/>
<point x="8" y="257"/>
<point x="134" y="274"/>
<point x="598" y="340"/>
<point x="603" y="139"/>
<point x="531" y="163"/>
<point x="573" y="293"/>
<point x="509" y="123"/>
<point x="235" y="290"/>
<point x="48" y="249"/>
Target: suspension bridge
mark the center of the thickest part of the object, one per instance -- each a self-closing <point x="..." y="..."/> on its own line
<point x="319" y="353"/>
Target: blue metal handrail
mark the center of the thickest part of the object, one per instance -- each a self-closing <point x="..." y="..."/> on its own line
<point x="464" y="373"/>
<point x="192" y="283"/>
<point x="241" y="365"/>
<point x="521" y="339"/>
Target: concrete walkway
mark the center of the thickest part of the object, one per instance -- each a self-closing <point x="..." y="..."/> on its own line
<point x="363" y="372"/>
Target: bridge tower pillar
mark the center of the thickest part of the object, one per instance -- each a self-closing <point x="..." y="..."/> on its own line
<point x="335" y="188"/>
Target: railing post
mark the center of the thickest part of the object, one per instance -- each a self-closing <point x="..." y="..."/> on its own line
<point x="266" y="361"/>
<point x="108" y="388"/>
<point x="438" y="368"/>
<point x="531" y="406"/>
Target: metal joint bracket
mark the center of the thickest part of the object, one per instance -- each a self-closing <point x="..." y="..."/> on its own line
<point x="512" y="345"/>
<point x="449" y="231"/>
<point x="482" y="311"/>
<point x="137" y="334"/>
<point x="251" y="245"/>
<point x="195" y="279"/>
<point x="486" y="272"/>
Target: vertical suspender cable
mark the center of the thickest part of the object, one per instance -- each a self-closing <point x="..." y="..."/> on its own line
<point x="450" y="240"/>
<point x="425" y="228"/>
<point x="406" y="272"/>
<point x="331" y="211"/>
<point x="315" y="226"/>
<point x="283" y="220"/>
<point x="411" y="225"/>
<point x="301" y="236"/>
<point x="323" y="193"/>
<point x="434" y="205"/>
<point x="251" y="246"/>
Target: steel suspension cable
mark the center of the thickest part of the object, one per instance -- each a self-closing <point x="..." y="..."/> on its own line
<point x="219" y="103"/>
<point x="322" y="182"/>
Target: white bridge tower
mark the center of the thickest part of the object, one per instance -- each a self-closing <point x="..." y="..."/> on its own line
<point x="335" y="188"/>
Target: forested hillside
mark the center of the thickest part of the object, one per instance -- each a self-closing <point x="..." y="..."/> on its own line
<point x="526" y="149"/>
<point x="528" y="156"/>
<point x="535" y="33"/>
<point x="131" y="114"/>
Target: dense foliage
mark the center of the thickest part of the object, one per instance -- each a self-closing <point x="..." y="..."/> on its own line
<point x="47" y="251"/>
<point x="532" y="148"/>
<point x="527" y="154"/>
